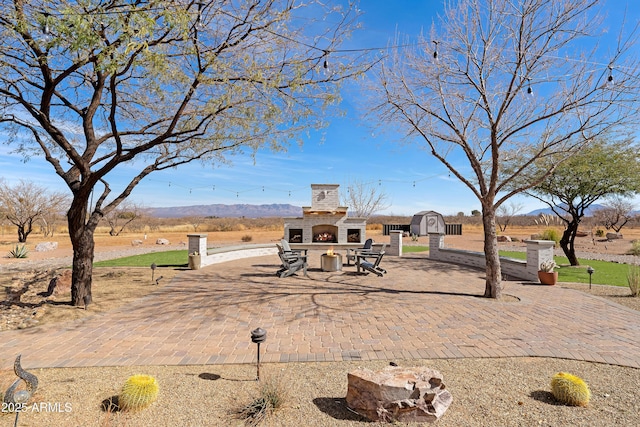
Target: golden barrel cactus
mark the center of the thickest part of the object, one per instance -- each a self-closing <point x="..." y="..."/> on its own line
<point x="570" y="390"/>
<point x="138" y="392"/>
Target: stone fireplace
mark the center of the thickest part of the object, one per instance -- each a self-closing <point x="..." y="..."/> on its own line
<point x="325" y="221"/>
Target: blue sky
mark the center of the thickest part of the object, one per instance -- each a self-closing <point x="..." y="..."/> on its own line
<point x="347" y="150"/>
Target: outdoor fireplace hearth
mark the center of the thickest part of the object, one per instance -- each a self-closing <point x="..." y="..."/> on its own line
<point x="324" y="238"/>
<point x="325" y="221"/>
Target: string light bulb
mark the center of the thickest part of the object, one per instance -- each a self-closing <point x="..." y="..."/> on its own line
<point x="325" y="62"/>
<point x="529" y="89"/>
<point x="45" y="25"/>
<point x="435" y="51"/>
<point x="610" y="78"/>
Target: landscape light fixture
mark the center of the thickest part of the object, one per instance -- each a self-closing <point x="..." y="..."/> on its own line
<point x="258" y="336"/>
<point x="590" y="270"/>
<point x="20" y="398"/>
<point x="153" y="270"/>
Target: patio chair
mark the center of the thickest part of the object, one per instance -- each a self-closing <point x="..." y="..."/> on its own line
<point x="374" y="265"/>
<point x="287" y="248"/>
<point x="291" y="263"/>
<point x="352" y="253"/>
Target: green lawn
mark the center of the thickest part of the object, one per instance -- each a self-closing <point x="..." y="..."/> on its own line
<point x="408" y="249"/>
<point x="606" y="273"/>
<point x="178" y="258"/>
<point x="161" y="259"/>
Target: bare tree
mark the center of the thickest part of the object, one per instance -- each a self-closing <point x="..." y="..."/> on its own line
<point x="50" y="220"/>
<point x="498" y="85"/>
<point x="364" y="199"/>
<point x="505" y="214"/>
<point x="195" y="222"/>
<point x="25" y="203"/>
<point x="124" y="88"/>
<point x="615" y="213"/>
<point x="122" y="216"/>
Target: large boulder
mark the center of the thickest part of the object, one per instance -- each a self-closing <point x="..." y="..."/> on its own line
<point x="162" y="241"/>
<point x="398" y="394"/>
<point x="46" y="246"/>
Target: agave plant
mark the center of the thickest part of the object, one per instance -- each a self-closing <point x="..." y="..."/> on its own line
<point x="20" y="251"/>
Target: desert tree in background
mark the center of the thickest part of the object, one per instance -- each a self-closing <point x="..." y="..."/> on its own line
<point x="615" y="213"/>
<point x="364" y="199"/>
<point x="497" y="85"/>
<point x="505" y="214"/>
<point x="600" y="170"/>
<point x="25" y="204"/>
<point x="121" y="89"/>
<point x="123" y="216"/>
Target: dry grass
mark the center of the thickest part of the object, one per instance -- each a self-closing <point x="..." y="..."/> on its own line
<point x="111" y="288"/>
<point x="270" y="396"/>
<point x="634" y="280"/>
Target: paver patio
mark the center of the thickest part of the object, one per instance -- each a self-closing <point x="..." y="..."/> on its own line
<point x="420" y="309"/>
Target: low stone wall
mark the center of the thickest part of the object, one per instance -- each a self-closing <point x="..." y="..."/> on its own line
<point x="198" y="244"/>
<point x="538" y="251"/>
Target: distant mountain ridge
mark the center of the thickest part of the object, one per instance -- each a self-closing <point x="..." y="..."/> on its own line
<point x="547" y="211"/>
<point x="227" y="211"/>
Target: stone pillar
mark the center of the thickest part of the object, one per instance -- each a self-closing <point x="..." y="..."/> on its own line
<point x="538" y="251"/>
<point x="395" y="248"/>
<point x="198" y="243"/>
<point x="436" y="241"/>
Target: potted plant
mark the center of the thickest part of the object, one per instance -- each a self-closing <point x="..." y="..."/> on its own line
<point x="195" y="261"/>
<point x="546" y="274"/>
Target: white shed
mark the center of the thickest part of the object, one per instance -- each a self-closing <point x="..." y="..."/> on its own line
<point x="426" y="222"/>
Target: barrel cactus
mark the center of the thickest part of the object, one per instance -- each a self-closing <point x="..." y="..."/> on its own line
<point x="570" y="390"/>
<point x="138" y="392"/>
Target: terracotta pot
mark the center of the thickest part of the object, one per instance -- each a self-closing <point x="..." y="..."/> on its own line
<point x="548" y="277"/>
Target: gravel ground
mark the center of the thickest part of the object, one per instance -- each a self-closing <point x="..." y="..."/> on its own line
<point x="486" y="392"/>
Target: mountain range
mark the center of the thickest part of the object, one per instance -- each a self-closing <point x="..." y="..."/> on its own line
<point x="272" y="210"/>
<point x="227" y="211"/>
<point x="547" y="211"/>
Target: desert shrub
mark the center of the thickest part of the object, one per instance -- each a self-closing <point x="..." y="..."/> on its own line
<point x="635" y="248"/>
<point x="20" y="251"/>
<point x="551" y="234"/>
<point x="247" y="238"/>
<point x="633" y="278"/>
<point x="272" y="395"/>
<point x="599" y="232"/>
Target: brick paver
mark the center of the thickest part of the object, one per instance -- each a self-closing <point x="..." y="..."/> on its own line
<point x="420" y="309"/>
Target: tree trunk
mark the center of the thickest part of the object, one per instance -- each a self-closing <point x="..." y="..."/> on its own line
<point x="22" y="238"/>
<point x="81" y="234"/>
<point x="493" y="283"/>
<point x="567" y="243"/>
